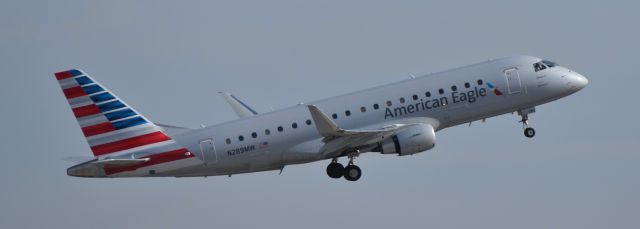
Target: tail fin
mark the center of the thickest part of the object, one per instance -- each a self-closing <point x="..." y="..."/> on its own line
<point x="110" y="126"/>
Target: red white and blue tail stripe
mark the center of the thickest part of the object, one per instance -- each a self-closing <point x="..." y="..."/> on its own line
<point x="111" y="127"/>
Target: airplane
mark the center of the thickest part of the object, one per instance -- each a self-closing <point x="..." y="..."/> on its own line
<point x="400" y="118"/>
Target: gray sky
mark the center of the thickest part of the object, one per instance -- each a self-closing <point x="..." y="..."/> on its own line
<point x="169" y="58"/>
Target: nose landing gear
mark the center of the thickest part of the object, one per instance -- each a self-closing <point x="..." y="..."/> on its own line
<point x="528" y="131"/>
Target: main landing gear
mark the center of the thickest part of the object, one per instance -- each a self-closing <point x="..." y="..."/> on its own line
<point x="351" y="172"/>
<point x="528" y="131"/>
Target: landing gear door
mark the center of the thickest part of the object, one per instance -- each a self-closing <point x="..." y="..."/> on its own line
<point x="513" y="80"/>
<point x="208" y="151"/>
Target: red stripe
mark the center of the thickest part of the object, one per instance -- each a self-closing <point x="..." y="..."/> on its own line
<point x="97" y="129"/>
<point x="153" y="160"/>
<point x="73" y="92"/>
<point x="129" y="143"/>
<point x="63" y="75"/>
<point x="86" y="110"/>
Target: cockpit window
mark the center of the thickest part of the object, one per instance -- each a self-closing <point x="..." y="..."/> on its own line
<point x="549" y="63"/>
<point x="542" y="65"/>
<point x="539" y="66"/>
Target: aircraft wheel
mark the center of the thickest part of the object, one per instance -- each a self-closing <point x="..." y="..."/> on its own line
<point x="335" y="170"/>
<point x="529" y="132"/>
<point x="352" y="173"/>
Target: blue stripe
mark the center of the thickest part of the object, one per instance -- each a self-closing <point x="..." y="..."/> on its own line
<point x="111" y="106"/>
<point x="92" y="89"/>
<point x="120" y="114"/>
<point x="102" y="97"/>
<point x="83" y="80"/>
<point x="128" y="123"/>
<point x="74" y="72"/>
<point x="244" y="105"/>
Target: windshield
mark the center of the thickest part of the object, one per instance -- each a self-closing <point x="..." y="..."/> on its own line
<point x="542" y="65"/>
<point x="549" y="63"/>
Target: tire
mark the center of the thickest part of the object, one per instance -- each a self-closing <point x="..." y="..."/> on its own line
<point x="529" y="132"/>
<point x="335" y="170"/>
<point x="352" y="173"/>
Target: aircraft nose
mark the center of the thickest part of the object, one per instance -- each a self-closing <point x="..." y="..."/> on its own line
<point x="577" y="81"/>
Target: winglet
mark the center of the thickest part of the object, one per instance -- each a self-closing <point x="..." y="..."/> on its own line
<point x="241" y="109"/>
<point x="325" y="126"/>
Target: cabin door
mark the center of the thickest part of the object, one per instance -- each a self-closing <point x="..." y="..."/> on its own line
<point x="513" y="80"/>
<point x="208" y="151"/>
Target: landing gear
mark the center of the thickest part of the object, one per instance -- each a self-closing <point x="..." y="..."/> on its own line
<point x="335" y="169"/>
<point x="351" y="172"/>
<point x="528" y="131"/>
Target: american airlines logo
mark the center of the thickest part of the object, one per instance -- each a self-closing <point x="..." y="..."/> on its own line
<point x="470" y="96"/>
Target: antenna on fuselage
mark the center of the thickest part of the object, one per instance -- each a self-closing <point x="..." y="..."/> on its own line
<point x="412" y="76"/>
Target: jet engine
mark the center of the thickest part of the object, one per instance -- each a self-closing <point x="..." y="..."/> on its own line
<point x="410" y="140"/>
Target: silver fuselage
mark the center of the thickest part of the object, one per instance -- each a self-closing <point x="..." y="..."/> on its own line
<point x="521" y="87"/>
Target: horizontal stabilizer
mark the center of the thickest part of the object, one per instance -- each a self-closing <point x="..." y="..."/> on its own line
<point x="78" y="159"/>
<point x="120" y="162"/>
<point x="172" y="130"/>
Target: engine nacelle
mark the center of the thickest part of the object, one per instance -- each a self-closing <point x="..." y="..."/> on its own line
<point x="411" y="140"/>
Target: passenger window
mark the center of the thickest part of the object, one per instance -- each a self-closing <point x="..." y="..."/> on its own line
<point x="363" y="109"/>
<point x="334" y="116"/>
<point x="280" y="129"/>
<point x="375" y="106"/>
<point x="479" y="82"/>
<point x="441" y="91"/>
<point x="428" y="94"/>
<point x="267" y="131"/>
<point x="294" y="125"/>
<point x="388" y="103"/>
<point x="254" y="135"/>
<point x="308" y="122"/>
<point x="347" y="113"/>
<point x="467" y="85"/>
<point x="241" y="138"/>
<point x="401" y="99"/>
<point x="228" y="141"/>
<point x="415" y="97"/>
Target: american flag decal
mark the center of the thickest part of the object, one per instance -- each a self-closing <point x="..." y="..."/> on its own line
<point x="264" y="145"/>
<point x="112" y="128"/>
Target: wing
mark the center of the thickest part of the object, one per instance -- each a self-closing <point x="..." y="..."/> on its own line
<point x="241" y="109"/>
<point x="337" y="140"/>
